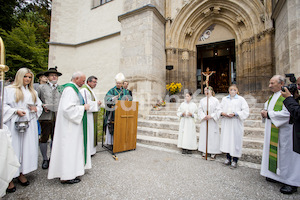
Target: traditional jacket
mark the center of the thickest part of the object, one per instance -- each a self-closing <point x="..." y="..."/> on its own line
<point x="50" y="97"/>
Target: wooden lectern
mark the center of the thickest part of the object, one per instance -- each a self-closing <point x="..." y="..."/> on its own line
<point x="125" y="128"/>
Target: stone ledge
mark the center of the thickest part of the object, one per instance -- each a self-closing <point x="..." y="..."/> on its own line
<point x="145" y="8"/>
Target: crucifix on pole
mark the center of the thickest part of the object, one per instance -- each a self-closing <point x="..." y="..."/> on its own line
<point x="207" y="74"/>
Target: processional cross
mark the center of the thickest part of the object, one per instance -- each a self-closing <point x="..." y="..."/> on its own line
<point x="207" y="74"/>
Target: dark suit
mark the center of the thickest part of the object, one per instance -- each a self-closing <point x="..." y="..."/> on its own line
<point x="294" y="108"/>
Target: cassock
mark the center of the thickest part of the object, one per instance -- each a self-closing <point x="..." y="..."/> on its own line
<point x="213" y="146"/>
<point x="91" y="99"/>
<point x="9" y="163"/>
<point x="110" y="113"/>
<point x="67" y="156"/>
<point x="29" y="139"/>
<point x="288" y="161"/>
<point x="187" y="138"/>
<point x="232" y="129"/>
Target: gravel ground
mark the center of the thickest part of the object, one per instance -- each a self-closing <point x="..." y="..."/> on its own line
<point x="155" y="173"/>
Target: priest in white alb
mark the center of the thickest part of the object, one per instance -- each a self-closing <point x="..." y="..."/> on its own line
<point x="279" y="162"/>
<point x="70" y="154"/>
<point x="92" y="114"/>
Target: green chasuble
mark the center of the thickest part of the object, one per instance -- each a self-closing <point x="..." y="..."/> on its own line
<point x="95" y="117"/>
<point x="84" y="118"/>
<point x="273" y="153"/>
<point x="123" y="95"/>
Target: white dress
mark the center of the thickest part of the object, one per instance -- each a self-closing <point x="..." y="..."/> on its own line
<point x="30" y="141"/>
<point x="232" y="129"/>
<point x="213" y="146"/>
<point x="288" y="171"/>
<point x="67" y="157"/>
<point x="9" y="163"/>
<point x="187" y="138"/>
<point x="90" y="118"/>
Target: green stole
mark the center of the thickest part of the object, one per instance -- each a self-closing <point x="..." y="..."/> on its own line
<point x="274" y="137"/>
<point x="95" y="117"/>
<point x="84" y="118"/>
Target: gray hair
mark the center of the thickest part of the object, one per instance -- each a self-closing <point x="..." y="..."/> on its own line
<point x="90" y="79"/>
<point x="280" y="78"/>
<point x="77" y="74"/>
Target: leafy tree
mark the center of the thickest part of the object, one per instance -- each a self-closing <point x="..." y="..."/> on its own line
<point x="27" y="36"/>
<point x="23" y="49"/>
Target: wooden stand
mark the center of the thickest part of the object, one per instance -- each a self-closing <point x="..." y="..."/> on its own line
<point x="126" y="116"/>
<point x="125" y="127"/>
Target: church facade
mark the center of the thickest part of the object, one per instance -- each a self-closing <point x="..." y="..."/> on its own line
<point x="155" y="42"/>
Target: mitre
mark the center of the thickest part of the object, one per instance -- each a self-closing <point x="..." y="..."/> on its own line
<point x="120" y="77"/>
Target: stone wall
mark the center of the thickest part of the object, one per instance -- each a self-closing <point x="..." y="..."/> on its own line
<point x="86" y="38"/>
<point x="287" y="37"/>
<point x="142" y="54"/>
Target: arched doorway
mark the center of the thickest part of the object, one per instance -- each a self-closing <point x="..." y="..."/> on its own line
<point x="251" y="32"/>
<point x="220" y="58"/>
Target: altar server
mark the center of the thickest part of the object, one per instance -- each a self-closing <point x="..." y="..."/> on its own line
<point x="234" y="110"/>
<point x="187" y="139"/>
<point x="213" y="146"/>
<point x="21" y="103"/>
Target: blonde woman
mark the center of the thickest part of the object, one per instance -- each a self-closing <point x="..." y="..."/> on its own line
<point x="22" y="103"/>
<point x="213" y="146"/>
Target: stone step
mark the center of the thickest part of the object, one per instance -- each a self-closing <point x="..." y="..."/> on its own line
<point x="172" y="111"/>
<point x="177" y="104"/>
<point x="249" y="155"/>
<point x="254" y="133"/>
<point x="174" y="125"/>
<point x="176" y="119"/>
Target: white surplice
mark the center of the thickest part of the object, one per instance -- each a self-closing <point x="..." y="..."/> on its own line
<point x="288" y="170"/>
<point x="232" y="129"/>
<point x="67" y="156"/>
<point x="213" y="146"/>
<point x="29" y="140"/>
<point x="9" y="163"/>
<point x="88" y="98"/>
<point x="187" y="138"/>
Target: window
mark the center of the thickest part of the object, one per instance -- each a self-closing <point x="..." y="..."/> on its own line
<point x="97" y="3"/>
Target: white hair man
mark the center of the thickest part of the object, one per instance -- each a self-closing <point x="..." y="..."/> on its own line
<point x="70" y="151"/>
<point x="279" y="162"/>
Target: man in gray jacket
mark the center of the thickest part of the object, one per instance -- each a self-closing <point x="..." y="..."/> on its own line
<point x="50" y="96"/>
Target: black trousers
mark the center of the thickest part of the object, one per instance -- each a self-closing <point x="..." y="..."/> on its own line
<point x="235" y="159"/>
<point x="47" y="129"/>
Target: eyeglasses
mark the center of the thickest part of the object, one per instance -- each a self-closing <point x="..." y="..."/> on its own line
<point x="53" y="75"/>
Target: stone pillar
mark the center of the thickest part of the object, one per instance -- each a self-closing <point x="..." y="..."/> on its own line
<point x="142" y="51"/>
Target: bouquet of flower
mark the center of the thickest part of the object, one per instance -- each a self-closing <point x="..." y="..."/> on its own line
<point x="174" y="88"/>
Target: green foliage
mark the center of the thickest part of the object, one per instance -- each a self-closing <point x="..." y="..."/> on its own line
<point x="23" y="49"/>
<point x="26" y="37"/>
<point x="100" y="124"/>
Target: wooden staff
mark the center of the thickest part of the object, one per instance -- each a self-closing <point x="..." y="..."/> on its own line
<point x="207" y="74"/>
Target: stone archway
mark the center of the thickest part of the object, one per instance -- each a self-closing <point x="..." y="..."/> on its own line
<point x="248" y="21"/>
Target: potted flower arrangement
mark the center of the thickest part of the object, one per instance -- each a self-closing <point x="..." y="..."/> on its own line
<point x="174" y="88"/>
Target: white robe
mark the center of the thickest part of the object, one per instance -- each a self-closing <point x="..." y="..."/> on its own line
<point x="187" y="138"/>
<point x="232" y="129"/>
<point x="213" y="146"/>
<point x="30" y="137"/>
<point x="288" y="168"/>
<point x="9" y="163"/>
<point x="67" y="156"/>
<point x="90" y="118"/>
